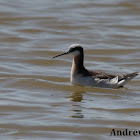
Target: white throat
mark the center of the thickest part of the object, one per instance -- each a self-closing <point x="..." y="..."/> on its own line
<point x="75" y="53"/>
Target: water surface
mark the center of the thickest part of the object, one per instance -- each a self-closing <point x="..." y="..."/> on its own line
<point x="36" y="98"/>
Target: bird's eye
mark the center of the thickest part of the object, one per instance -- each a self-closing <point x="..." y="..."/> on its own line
<point x="71" y="50"/>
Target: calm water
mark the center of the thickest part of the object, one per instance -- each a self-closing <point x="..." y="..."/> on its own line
<point x="36" y="98"/>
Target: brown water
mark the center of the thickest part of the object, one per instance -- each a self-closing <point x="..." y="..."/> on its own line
<point x="36" y="98"/>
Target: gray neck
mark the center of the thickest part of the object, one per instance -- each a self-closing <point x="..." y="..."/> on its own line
<point x="78" y="62"/>
<point x="78" y="66"/>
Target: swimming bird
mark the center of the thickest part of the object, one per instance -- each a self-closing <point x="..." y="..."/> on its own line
<point x="84" y="77"/>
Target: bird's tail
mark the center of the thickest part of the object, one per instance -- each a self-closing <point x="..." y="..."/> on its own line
<point x="131" y="75"/>
<point x="126" y="78"/>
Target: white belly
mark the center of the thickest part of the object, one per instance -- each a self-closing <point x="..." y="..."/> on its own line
<point x="90" y="81"/>
<point x="79" y="79"/>
<point x="83" y="81"/>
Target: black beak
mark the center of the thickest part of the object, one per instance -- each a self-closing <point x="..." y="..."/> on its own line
<point x="60" y="55"/>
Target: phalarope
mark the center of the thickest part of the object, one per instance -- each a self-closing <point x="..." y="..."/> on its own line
<point x="83" y="77"/>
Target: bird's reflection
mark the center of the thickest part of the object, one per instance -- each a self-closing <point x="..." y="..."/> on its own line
<point x="77" y="98"/>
